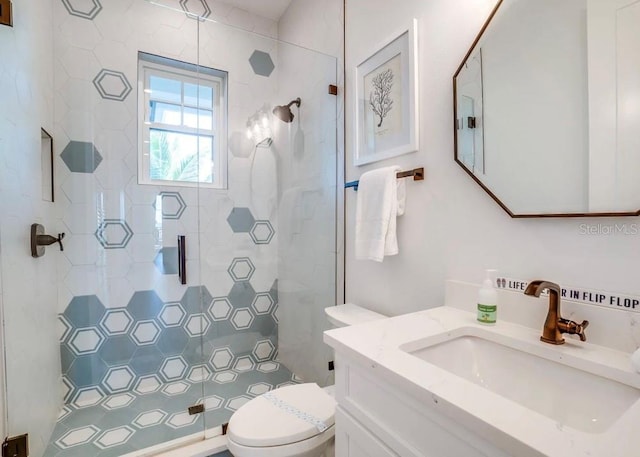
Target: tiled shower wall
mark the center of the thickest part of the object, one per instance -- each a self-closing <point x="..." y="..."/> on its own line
<point x="28" y="291"/>
<point x="126" y="322"/>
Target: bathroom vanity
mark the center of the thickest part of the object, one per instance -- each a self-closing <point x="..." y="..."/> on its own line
<point x="436" y="383"/>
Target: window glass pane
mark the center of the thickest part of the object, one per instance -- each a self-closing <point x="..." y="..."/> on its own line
<point x="165" y="89"/>
<point x="191" y="96"/>
<point x="191" y="119"/>
<point x="165" y="113"/>
<point x="176" y="156"/>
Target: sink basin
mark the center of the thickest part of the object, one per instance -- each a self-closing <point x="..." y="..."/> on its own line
<point x="570" y="396"/>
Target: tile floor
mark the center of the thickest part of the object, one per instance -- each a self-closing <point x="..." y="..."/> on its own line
<point x="129" y="421"/>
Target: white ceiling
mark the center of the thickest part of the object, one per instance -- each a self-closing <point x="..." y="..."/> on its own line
<point x="272" y="9"/>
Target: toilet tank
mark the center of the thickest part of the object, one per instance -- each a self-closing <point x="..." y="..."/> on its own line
<point x="350" y="314"/>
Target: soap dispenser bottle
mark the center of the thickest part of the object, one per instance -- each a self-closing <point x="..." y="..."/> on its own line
<point x="488" y="300"/>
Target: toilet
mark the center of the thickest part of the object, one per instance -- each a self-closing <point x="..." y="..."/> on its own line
<point x="296" y="420"/>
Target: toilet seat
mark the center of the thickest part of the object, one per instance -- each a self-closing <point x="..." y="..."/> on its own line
<point x="283" y="416"/>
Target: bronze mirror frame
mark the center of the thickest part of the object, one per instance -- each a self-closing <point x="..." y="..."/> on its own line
<point x="476" y="179"/>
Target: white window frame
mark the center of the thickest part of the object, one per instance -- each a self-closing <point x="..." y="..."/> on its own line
<point x="150" y="65"/>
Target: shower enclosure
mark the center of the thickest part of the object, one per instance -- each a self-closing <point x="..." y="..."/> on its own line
<point x="200" y="228"/>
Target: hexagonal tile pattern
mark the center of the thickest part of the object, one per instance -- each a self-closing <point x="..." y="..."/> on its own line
<point x="114" y="234"/>
<point x="87" y="397"/>
<point x="148" y="385"/>
<point x="179" y="420"/>
<point x="197" y="325"/>
<point x="242" y="294"/>
<point x="64" y="328"/>
<point x="116" y="321"/>
<point x="233" y="404"/>
<point x="262" y="232"/>
<point x="241" y="220"/>
<point x="221" y="359"/>
<point x="118" y="401"/>
<point x="112" y="85"/>
<point x="84" y="311"/>
<point x="86" y="9"/>
<point x="225" y="377"/>
<point x="145" y="333"/>
<point x="263" y="350"/>
<point x="145" y="305"/>
<point x="263" y="303"/>
<point x="220" y="309"/>
<point x="211" y="403"/>
<point x="175" y="388"/>
<point x="114" y="437"/>
<point x="86" y="341"/>
<point x="197" y="8"/>
<point x="117" y="350"/>
<point x="268" y="367"/>
<point x="243" y="364"/>
<point x="81" y="157"/>
<point x="172" y="315"/>
<point x="118" y="379"/>
<point x="199" y="374"/>
<point x="77" y="436"/>
<point x="242" y="319"/>
<point x="241" y="269"/>
<point x="261" y="63"/>
<point x="171" y="204"/>
<point x="149" y="418"/>
<point x="173" y="368"/>
<point x="167" y="261"/>
<point x="259" y="388"/>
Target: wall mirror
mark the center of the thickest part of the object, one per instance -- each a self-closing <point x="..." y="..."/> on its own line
<point x="547" y="108"/>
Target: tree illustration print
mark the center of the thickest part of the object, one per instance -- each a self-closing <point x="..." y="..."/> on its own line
<point x="380" y="97"/>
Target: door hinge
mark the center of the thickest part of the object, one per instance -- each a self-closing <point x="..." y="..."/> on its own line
<point x="16" y="446"/>
<point x="331" y="366"/>
<point x="196" y="409"/>
<point x="471" y="122"/>
<point x="333" y="90"/>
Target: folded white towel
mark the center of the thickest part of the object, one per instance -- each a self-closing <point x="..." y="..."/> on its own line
<point x="381" y="198"/>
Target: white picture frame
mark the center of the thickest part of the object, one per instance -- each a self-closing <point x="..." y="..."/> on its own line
<point x="386" y="97"/>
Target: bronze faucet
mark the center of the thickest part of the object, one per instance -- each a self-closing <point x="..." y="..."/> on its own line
<point x="555" y="325"/>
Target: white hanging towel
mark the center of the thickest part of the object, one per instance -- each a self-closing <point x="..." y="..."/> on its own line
<point x="381" y="198"/>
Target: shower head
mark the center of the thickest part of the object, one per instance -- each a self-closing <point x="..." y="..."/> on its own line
<point x="283" y="112"/>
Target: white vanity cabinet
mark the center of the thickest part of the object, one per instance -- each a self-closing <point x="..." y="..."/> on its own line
<point x="377" y="417"/>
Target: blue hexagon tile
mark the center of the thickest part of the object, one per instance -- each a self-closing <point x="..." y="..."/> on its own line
<point x="114" y="234"/>
<point x="195" y="8"/>
<point x="81" y="157"/>
<point x="85" y="9"/>
<point x="112" y="85"/>
<point x="241" y="220"/>
<point x="171" y="205"/>
<point x="261" y="63"/>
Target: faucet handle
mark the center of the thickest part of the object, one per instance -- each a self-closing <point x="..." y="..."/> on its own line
<point x="581" y="329"/>
<point x="573" y="328"/>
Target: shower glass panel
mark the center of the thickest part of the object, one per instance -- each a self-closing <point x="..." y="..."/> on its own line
<point x="164" y="127"/>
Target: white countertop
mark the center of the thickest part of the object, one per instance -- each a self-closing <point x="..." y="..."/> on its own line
<point x="512" y="427"/>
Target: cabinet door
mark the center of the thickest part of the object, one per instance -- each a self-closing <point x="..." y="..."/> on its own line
<point x="353" y="440"/>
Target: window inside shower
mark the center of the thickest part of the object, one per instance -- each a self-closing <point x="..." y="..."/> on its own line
<point x="107" y="350"/>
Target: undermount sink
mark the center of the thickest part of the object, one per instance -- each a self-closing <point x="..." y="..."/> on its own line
<point x="567" y="395"/>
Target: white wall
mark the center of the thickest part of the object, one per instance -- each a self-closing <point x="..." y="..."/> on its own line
<point x="452" y="228"/>
<point x="26" y="105"/>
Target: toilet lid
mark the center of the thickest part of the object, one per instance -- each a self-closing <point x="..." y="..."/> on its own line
<point x="283" y="416"/>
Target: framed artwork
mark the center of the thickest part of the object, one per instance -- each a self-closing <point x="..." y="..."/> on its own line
<point x="386" y="90"/>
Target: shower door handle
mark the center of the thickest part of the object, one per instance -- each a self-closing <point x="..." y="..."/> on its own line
<point x="182" y="259"/>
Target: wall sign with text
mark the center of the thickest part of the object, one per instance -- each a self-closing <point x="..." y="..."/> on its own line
<point x="592" y="297"/>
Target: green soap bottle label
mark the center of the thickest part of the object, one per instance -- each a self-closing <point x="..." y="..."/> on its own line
<point x="487" y="313"/>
